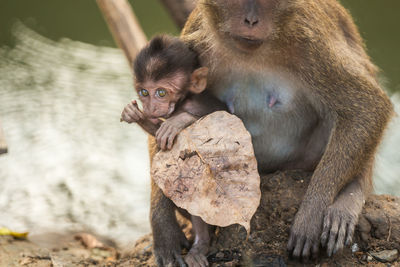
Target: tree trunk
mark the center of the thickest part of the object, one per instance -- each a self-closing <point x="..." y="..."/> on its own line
<point x="179" y="10"/>
<point x="124" y="26"/>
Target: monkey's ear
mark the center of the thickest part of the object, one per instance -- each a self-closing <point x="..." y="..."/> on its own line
<point x="198" y="80"/>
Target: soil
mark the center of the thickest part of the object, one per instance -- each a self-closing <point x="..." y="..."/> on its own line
<point x="378" y="230"/>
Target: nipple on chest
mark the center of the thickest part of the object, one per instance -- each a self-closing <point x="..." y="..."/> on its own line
<point x="272" y="100"/>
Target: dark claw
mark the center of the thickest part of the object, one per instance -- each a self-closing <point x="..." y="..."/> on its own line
<point x="306" y="250"/>
<point x="315" y="250"/>
<point x="180" y="260"/>
<point x="325" y="231"/>
<point x="341" y="236"/>
<point x="350" y="231"/>
<point x="290" y="245"/>
<point x="299" y="248"/>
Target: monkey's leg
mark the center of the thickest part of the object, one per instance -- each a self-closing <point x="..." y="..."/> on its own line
<point x="342" y="216"/>
<point x="168" y="238"/>
<point x="197" y="254"/>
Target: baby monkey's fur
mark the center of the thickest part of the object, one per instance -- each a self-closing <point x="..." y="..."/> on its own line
<point x="170" y="84"/>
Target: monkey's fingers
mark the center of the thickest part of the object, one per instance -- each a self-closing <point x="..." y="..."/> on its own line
<point x="125" y="117"/>
<point x="196" y="260"/>
<point x="332" y="236"/>
<point x="171" y="139"/>
<point x="299" y="247"/>
<point x="307" y="249"/>
<point x="164" y="139"/>
<point x="139" y="114"/>
<point x="350" y="232"/>
<point x="325" y="230"/>
<point x="161" y="132"/>
<point x="341" y="237"/>
<point x="179" y="259"/>
<point x="291" y="243"/>
<point x="134" y="112"/>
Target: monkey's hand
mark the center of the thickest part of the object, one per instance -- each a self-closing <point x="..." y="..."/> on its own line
<point x="196" y="256"/>
<point x="131" y="113"/>
<point x="170" y="128"/>
<point x="305" y="233"/>
<point x="341" y="218"/>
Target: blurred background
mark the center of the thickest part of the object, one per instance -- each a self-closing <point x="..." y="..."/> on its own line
<point x="71" y="164"/>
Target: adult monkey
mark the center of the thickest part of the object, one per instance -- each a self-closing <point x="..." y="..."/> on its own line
<point x="327" y="115"/>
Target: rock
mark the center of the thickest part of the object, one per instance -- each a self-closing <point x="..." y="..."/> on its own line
<point x="386" y="255"/>
<point x="211" y="171"/>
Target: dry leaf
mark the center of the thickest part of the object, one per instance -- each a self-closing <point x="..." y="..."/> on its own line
<point x="211" y="171"/>
<point x="89" y="241"/>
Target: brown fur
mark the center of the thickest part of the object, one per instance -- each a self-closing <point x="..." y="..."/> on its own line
<point x="332" y="111"/>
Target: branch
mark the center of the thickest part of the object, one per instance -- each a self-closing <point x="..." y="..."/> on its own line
<point x="179" y="10"/>
<point x="124" y="26"/>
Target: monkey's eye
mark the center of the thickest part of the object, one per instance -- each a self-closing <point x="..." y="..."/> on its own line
<point x="161" y="92"/>
<point x="143" y="92"/>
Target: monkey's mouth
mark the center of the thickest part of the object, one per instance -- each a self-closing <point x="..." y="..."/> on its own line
<point x="247" y="43"/>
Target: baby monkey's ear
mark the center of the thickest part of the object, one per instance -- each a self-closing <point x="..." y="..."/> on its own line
<point x="198" y="80"/>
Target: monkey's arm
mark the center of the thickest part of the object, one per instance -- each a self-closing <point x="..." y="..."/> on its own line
<point x="168" y="237"/>
<point x="360" y="111"/>
<point x="131" y="113"/>
<point x="192" y="108"/>
<point x="170" y="128"/>
<point x="148" y="126"/>
<point x="202" y="104"/>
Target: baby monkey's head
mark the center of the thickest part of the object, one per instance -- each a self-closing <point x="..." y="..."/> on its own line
<point x="165" y="71"/>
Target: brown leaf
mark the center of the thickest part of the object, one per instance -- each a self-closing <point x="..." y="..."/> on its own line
<point x="211" y="171"/>
<point x="89" y="241"/>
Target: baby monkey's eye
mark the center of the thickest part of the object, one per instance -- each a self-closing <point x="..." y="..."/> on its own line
<point x="143" y="92"/>
<point x="161" y="92"/>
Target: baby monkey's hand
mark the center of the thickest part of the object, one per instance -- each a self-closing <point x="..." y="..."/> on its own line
<point x="131" y="113"/>
<point x="170" y="128"/>
<point x="167" y="132"/>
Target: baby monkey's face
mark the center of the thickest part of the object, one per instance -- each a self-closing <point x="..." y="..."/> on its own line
<point x="159" y="98"/>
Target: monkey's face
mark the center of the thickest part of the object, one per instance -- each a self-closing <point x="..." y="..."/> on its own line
<point x="247" y="24"/>
<point x="159" y="98"/>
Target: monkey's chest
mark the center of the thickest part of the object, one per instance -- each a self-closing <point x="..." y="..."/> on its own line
<point x="278" y="115"/>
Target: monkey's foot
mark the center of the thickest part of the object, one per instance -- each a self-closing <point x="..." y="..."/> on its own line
<point x="196" y="256"/>
<point x="338" y="228"/>
<point x="168" y="248"/>
<point x="305" y="233"/>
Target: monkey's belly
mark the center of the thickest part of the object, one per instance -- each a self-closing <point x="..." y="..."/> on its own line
<point x="281" y="122"/>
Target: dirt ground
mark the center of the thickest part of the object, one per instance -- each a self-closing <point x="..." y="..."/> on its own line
<point x="378" y="231"/>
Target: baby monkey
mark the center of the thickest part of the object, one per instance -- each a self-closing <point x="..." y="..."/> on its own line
<point x="170" y="83"/>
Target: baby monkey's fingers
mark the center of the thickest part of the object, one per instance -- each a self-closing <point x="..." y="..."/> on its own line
<point x="133" y="110"/>
<point x="131" y="114"/>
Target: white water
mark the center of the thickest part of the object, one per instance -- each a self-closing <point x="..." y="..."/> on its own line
<point x="71" y="164"/>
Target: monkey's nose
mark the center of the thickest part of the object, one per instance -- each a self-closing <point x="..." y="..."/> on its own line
<point x="251" y="21"/>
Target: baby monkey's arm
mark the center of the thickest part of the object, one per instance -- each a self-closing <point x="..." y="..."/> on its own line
<point x="132" y="113"/>
<point x="171" y="127"/>
<point x="192" y="108"/>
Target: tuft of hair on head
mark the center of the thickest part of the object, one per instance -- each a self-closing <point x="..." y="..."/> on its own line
<point x="162" y="57"/>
